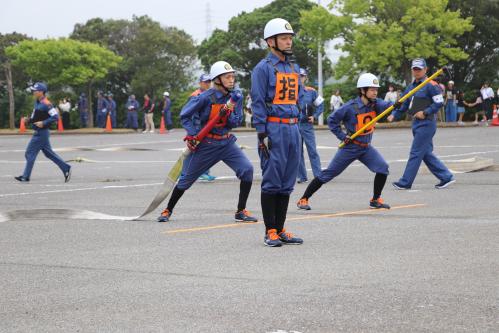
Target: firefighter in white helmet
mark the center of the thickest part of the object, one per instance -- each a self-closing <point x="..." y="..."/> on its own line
<point x="354" y="114"/>
<point x="275" y="90"/>
<point x="219" y="144"/>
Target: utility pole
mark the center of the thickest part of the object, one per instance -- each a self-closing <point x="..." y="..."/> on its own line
<point x="319" y="71"/>
<point x="208" y="20"/>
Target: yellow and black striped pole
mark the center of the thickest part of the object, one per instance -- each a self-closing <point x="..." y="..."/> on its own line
<point x="390" y="109"/>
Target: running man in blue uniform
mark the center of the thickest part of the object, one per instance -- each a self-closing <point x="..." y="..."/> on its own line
<point x="44" y="114"/>
<point x="423" y="107"/>
<point x="354" y="115"/>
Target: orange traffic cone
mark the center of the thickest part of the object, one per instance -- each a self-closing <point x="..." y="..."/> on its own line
<point x="495" y="117"/>
<point x="109" y="128"/>
<point x="162" y="129"/>
<point x="60" y="128"/>
<point x="22" y="126"/>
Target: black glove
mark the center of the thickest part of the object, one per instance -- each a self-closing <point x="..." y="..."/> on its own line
<point x="347" y="140"/>
<point x="264" y="144"/>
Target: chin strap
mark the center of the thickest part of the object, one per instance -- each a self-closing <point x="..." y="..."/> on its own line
<point x="284" y="52"/>
<point x="228" y="90"/>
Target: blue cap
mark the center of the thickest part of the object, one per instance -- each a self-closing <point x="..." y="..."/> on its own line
<point x="303" y="72"/>
<point x="204" y="78"/>
<point x="418" y="63"/>
<point x="39" y="86"/>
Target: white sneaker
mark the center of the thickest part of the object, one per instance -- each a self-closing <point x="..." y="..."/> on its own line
<point x="151" y="131"/>
<point x="144" y="132"/>
<point x="460" y="123"/>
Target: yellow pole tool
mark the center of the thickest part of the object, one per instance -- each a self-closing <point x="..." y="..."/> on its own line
<point x="390" y="109"/>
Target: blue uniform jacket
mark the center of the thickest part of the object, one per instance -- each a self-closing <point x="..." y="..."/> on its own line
<point x="263" y="82"/>
<point x="101" y="104"/>
<point x="196" y="113"/>
<point x="82" y="104"/>
<point x="166" y="104"/>
<point x="132" y="105"/>
<point x="431" y="91"/>
<point x="43" y="111"/>
<point x="348" y="115"/>
<point x="111" y="105"/>
<point x="307" y="104"/>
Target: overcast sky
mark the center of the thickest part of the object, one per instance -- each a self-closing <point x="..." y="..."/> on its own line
<point x="56" y="18"/>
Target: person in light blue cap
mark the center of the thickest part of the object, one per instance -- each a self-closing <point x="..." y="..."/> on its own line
<point x="423" y="106"/>
<point x="44" y="114"/>
<point x="311" y="107"/>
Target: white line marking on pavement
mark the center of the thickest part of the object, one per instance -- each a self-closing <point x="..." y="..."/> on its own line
<point x="78" y="189"/>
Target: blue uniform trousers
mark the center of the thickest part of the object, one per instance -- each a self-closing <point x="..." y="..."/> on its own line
<point x="168" y="119"/>
<point x="422" y="150"/>
<point x="450" y="112"/>
<point x="113" y="119"/>
<point x="308" y="138"/>
<point x="40" y="141"/>
<point x="209" y="153"/>
<point x="368" y="156"/>
<point x="280" y="169"/>
<point x="83" y="118"/>
<point x="101" y="119"/>
<point x="132" y="120"/>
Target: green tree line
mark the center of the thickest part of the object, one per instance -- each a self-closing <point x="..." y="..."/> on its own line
<point x="142" y="56"/>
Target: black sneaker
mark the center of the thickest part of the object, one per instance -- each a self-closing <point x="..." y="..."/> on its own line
<point x="398" y="186"/>
<point x="67" y="175"/>
<point x="445" y="183"/>
<point x="165" y="215"/>
<point x="244" y="216"/>
<point x="289" y="239"/>
<point x="22" y="179"/>
<point x="272" y="239"/>
<point x="302" y="181"/>
<point x="378" y="204"/>
<point x="303" y="204"/>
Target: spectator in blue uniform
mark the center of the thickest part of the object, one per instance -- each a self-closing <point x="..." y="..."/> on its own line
<point x="423" y="106"/>
<point x="311" y="107"/>
<point x="204" y="84"/>
<point x="166" y="110"/>
<point x="219" y="144"/>
<point x="111" y="109"/>
<point x="275" y="91"/>
<point x="83" y="110"/>
<point x="132" y="107"/>
<point x="44" y="114"/>
<point x="101" y="110"/>
<point x="354" y="115"/>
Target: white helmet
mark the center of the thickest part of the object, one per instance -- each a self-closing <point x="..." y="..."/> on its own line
<point x="219" y="68"/>
<point x="367" y="80"/>
<point x="277" y="26"/>
<point x="166" y="93"/>
<point x="451" y="82"/>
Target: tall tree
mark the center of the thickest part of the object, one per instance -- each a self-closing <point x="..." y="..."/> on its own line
<point x="63" y="62"/>
<point x="243" y="47"/>
<point x="383" y="35"/>
<point x="155" y="57"/>
<point x="481" y="43"/>
<point x="6" y="41"/>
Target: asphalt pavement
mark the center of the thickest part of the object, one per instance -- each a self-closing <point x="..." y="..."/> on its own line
<point x="430" y="264"/>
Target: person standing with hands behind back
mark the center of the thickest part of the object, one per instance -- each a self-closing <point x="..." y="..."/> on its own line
<point x="275" y="90"/>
